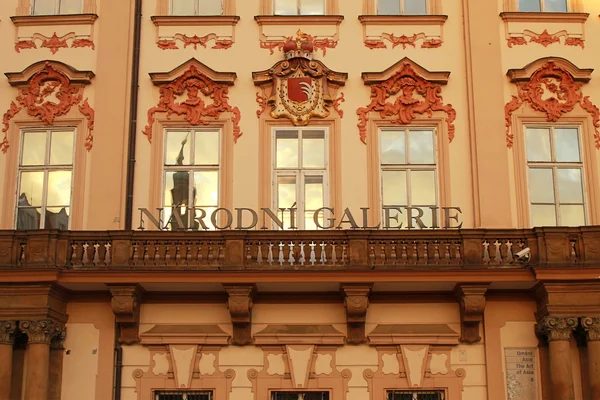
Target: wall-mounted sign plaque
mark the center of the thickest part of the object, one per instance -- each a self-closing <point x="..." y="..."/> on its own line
<point x="521" y="373"/>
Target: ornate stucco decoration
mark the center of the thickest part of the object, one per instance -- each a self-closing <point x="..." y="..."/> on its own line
<point x="318" y="43"/>
<point x="471" y="299"/>
<point x="299" y="88"/>
<point x="591" y="325"/>
<point x="240" y="307"/>
<point x="41" y="331"/>
<point x="401" y="92"/>
<point x="551" y="86"/>
<point x="126" y="307"/>
<point x="7" y="331"/>
<point x="47" y="90"/>
<point x="356" y="301"/>
<point x="557" y="328"/>
<point x="54" y="42"/>
<point x="196" y="92"/>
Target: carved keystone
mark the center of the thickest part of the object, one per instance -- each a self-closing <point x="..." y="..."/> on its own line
<point x="557" y="328"/>
<point x="356" y="302"/>
<point x="471" y="299"/>
<point x="240" y="307"/>
<point x="591" y="325"/>
<point x="126" y="307"/>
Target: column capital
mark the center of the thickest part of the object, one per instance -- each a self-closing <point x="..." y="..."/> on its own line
<point x="591" y="325"/>
<point x="41" y="331"/>
<point x="557" y="328"/>
<point x="58" y="341"/>
<point x="7" y="331"/>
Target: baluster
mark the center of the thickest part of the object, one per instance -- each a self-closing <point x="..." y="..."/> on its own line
<point x="415" y="252"/>
<point x="446" y="253"/>
<point x="221" y="252"/>
<point x="74" y="260"/>
<point x="372" y="259"/>
<point x="486" y="252"/>
<point x="302" y="258"/>
<point x="425" y="260"/>
<point x="333" y="254"/>
<point x="291" y="258"/>
<point x="457" y="252"/>
<point x="188" y="253"/>
<point x="509" y="254"/>
<point x="96" y="257"/>
<point x="156" y="253"/>
<point x="249" y="253"/>
<point x="344" y="253"/>
<point x="107" y="255"/>
<point x="312" y="257"/>
<point x="85" y="259"/>
<point x="177" y="253"/>
<point x="145" y="253"/>
<point x="280" y="258"/>
<point x="436" y="252"/>
<point x="393" y="255"/>
<point x="210" y="258"/>
<point x="323" y="255"/>
<point x="259" y="259"/>
<point x="498" y="255"/>
<point x="134" y="256"/>
<point x="382" y="252"/>
<point x="403" y="254"/>
<point x="270" y="258"/>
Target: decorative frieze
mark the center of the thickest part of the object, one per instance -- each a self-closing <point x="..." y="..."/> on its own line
<point x="41" y="331"/>
<point x="557" y="328"/>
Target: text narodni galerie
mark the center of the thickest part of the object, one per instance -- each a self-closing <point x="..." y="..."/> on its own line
<point x="324" y="218"/>
<point x="521" y="374"/>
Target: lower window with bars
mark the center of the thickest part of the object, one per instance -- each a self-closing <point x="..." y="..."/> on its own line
<point x="299" y="395"/>
<point x="182" y="395"/>
<point x="415" y="395"/>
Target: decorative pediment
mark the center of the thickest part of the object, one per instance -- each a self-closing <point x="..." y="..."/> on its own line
<point x="553" y="86"/>
<point x="47" y="90"/>
<point x="299" y="88"/>
<point x="401" y="92"/>
<point x="195" y="91"/>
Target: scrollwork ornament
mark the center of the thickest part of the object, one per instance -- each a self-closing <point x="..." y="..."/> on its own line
<point x="41" y="331"/>
<point x="7" y="331"/>
<point x="591" y="325"/>
<point x="558" y="328"/>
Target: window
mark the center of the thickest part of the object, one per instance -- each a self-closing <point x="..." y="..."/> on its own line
<point x="191" y="176"/>
<point x="56" y="7"/>
<point x="45" y="180"/>
<point x="196" y="7"/>
<point x="542" y="5"/>
<point x="555" y="172"/>
<point x="300" y="174"/>
<point x="299" y="395"/>
<point x="167" y="395"/>
<point x="415" y="395"/>
<point x="408" y="171"/>
<point x="299" y="7"/>
<point x="402" y="7"/>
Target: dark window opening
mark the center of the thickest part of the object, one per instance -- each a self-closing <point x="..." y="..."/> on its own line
<point x="416" y="395"/>
<point x="300" y="396"/>
<point x="180" y="395"/>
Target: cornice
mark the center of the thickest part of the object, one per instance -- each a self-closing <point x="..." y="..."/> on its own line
<point x="402" y="19"/>
<point x="48" y="20"/>
<point x="516" y="16"/>
<point x="299" y="19"/>
<point x="195" y="20"/>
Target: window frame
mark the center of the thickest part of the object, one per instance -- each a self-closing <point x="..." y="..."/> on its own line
<point x="299" y="8"/>
<point x="196" y="9"/>
<point x="57" y="7"/>
<point x="428" y="8"/>
<point x="413" y="391"/>
<point x="543" y="6"/>
<point x="555" y="166"/>
<point x="300" y="173"/>
<point x="45" y="168"/>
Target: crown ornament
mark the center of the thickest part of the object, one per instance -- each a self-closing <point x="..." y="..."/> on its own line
<point x="298" y="48"/>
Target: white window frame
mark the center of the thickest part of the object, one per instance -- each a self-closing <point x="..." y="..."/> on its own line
<point x="299" y="173"/>
<point x="543" y="6"/>
<point x="555" y="165"/>
<point x="427" y="7"/>
<point x="191" y="167"/>
<point x="57" y="6"/>
<point x="196" y="8"/>
<point x="46" y="168"/>
<point x="299" y="7"/>
<point x="409" y="167"/>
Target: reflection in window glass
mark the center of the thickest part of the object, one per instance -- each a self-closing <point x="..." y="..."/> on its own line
<point x="299" y="7"/>
<point x="402" y="7"/>
<point x="53" y="7"/>
<point x="45" y="180"/>
<point x="555" y="179"/>
<point x="70" y="6"/>
<point x="196" y="7"/>
<point x="543" y="5"/>
<point x="530" y="6"/>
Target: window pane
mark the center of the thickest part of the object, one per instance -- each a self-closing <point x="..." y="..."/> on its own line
<point x="388" y="7"/>
<point x="70" y="6"/>
<point x="176" y="188"/>
<point x="28" y="218"/>
<point x="569" y="185"/>
<point x="61" y="148"/>
<point x="572" y="215"/>
<point x="211" y="7"/>
<point x="555" y="5"/>
<point x="285" y="7"/>
<point x="313" y="149"/>
<point x="393" y="147"/>
<point x="183" y="7"/>
<point x="538" y="144"/>
<point x="34" y="148"/>
<point x="44" y="7"/>
<point x="57" y="218"/>
<point x="59" y="188"/>
<point x="177" y="150"/>
<point x="312" y="7"/>
<point x="206" y="148"/>
<point x="287" y="149"/>
<point x="541" y="186"/>
<point x="286" y="191"/>
<point x="313" y="192"/>
<point x="566" y="143"/>
<point x="542" y="215"/>
<point x="309" y="223"/>
<point x="415" y="7"/>
<point x="420" y="145"/>
<point x="32" y="186"/>
<point x="394" y="188"/>
<point x="206" y="188"/>
<point x="529" y="5"/>
<point x="207" y="219"/>
<point x="422" y="190"/>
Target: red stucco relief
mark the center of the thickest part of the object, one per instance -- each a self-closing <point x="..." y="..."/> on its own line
<point x="194" y="83"/>
<point x="318" y="44"/>
<point x="54" y="42"/>
<point x="414" y="95"/>
<point x="195" y="41"/>
<point x="404" y="41"/>
<point x="545" y="39"/>
<point x="553" y="91"/>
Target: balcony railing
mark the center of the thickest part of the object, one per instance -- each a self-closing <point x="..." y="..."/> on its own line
<point x="300" y="250"/>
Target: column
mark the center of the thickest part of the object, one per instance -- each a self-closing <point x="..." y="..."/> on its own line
<point x="558" y="331"/>
<point x="39" y="334"/>
<point x="7" y="338"/>
<point x="57" y="351"/>
<point x="591" y="325"/>
<point x="544" y="366"/>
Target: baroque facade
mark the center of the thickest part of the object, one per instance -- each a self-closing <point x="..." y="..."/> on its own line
<point x="300" y="199"/>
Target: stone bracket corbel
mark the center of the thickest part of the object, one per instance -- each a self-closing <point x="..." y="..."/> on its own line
<point x="240" y="308"/>
<point x="356" y="302"/>
<point x="125" y="304"/>
<point x="471" y="299"/>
